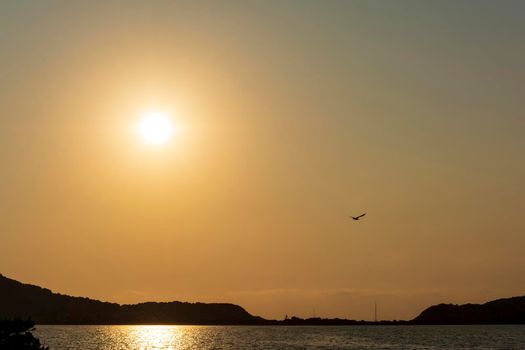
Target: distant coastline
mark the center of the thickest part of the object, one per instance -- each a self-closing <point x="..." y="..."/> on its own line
<point x="19" y="300"/>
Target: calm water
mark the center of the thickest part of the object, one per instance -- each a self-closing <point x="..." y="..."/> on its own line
<point x="247" y="337"/>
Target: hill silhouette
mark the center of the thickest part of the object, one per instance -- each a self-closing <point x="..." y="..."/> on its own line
<point x="501" y="311"/>
<point x="18" y="300"/>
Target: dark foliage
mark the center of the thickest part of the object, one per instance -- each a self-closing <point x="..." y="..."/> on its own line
<point x="16" y="335"/>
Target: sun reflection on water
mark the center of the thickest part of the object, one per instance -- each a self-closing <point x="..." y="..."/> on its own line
<point x="155" y="337"/>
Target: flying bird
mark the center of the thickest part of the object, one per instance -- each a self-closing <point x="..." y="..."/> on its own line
<point x="357" y="217"/>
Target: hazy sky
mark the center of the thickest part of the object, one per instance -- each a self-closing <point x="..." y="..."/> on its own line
<point x="290" y="116"/>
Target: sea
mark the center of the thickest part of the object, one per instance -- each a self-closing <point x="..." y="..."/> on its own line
<point x="484" y="337"/>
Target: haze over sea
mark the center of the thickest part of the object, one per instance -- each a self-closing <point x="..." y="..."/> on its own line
<point x="266" y="163"/>
<point x="268" y="337"/>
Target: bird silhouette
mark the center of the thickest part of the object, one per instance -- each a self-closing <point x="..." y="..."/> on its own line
<point x="357" y="217"/>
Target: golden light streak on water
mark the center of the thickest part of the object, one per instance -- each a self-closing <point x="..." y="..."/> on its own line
<point x="156" y="337"/>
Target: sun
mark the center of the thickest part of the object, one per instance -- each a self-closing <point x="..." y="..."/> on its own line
<point x="156" y="128"/>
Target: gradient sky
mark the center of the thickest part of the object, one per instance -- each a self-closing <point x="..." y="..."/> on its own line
<point x="291" y="115"/>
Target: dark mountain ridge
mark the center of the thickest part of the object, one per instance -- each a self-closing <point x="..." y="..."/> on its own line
<point x="500" y="311"/>
<point x="45" y="307"/>
<point x="19" y="300"/>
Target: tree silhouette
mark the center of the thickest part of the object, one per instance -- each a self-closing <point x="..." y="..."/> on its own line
<point x="16" y="335"/>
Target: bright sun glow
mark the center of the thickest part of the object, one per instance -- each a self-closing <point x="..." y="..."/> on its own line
<point x="156" y="128"/>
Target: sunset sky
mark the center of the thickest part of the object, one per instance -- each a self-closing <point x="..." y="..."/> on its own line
<point x="284" y="118"/>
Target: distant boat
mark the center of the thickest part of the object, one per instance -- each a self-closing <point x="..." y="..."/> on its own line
<point x="357" y="217"/>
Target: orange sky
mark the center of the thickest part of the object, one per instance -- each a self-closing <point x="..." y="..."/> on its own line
<point x="290" y="116"/>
